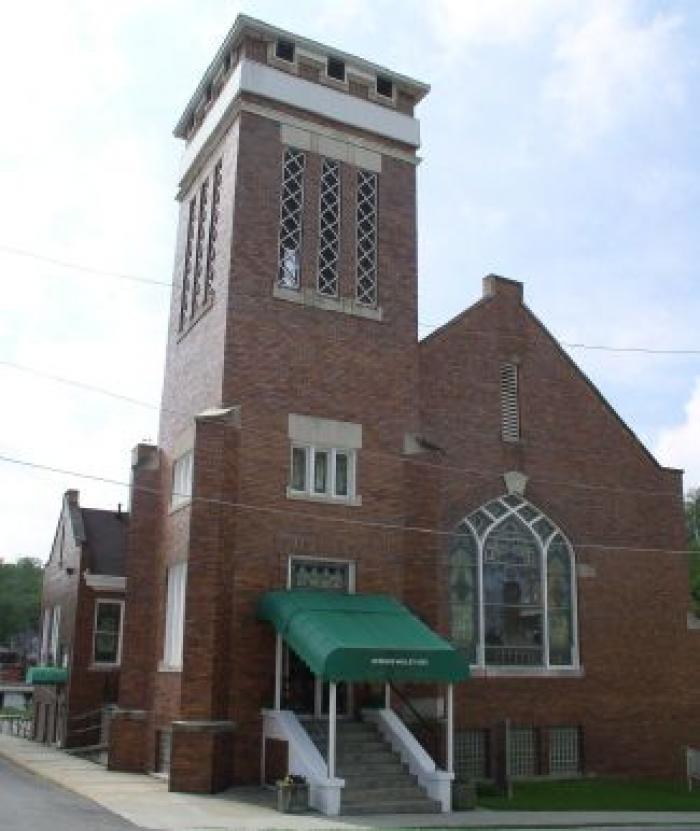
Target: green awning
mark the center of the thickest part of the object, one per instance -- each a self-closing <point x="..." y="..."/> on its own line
<point x="47" y="675"/>
<point x="360" y="637"/>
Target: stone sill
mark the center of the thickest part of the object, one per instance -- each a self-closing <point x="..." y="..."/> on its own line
<point x="526" y="672"/>
<point x="350" y="501"/>
<point x="193" y="321"/>
<point x="163" y="667"/>
<point x="173" y="509"/>
<point x="343" y="305"/>
<point x="104" y="667"/>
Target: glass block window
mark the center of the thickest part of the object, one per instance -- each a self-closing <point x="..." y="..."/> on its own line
<point x="471" y="748"/>
<point x="213" y="230"/>
<point x="329" y="230"/>
<point x="510" y="412"/>
<point x="512" y="588"/>
<point x="108" y="632"/>
<point x="559" y="605"/>
<point x="291" y="215"/>
<point x="464" y="594"/>
<point x="200" y="246"/>
<point x="565" y="750"/>
<point x="366" y="230"/>
<point x="187" y="266"/>
<point x="522" y="751"/>
<point x="329" y="575"/>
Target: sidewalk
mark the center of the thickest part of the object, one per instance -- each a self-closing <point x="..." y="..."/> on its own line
<point x="145" y="801"/>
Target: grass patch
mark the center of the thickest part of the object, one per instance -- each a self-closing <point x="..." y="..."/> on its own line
<point x="593" y="795"/>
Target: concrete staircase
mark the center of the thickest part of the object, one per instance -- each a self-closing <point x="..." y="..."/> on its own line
<point x="376" y="781"/>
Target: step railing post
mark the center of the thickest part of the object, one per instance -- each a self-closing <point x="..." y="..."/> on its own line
<point x="331" y="730"/>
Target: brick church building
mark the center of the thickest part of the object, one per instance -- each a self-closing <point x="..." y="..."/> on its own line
<point x="341" y="522"/>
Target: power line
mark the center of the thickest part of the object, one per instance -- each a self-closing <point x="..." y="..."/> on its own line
<point x="443" y="467"/>
<point x="642" y="350"/>
<point x="309" y="516"/>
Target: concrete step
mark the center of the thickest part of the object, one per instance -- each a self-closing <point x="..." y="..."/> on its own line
<point x="393" y="768"/>
<point x="423" y="806"/>
<point x="370" y="757"/>
<point x="390" y="793"/>
<point x="378" y="782"/>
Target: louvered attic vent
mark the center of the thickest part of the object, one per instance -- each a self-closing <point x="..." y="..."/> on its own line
<point x="510" y="412"/>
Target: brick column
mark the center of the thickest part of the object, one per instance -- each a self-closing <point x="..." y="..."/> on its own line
<point x="202" y="748"/>
<point x="130" y="739"/>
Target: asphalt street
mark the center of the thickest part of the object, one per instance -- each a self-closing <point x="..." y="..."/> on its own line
<point x="29" y="803"/>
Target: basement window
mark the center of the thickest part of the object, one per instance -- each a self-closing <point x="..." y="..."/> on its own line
<point x="510" y="410"/>
<point x="284" y="50"/>
<point x="335" y="69"/>
<point x="385" y="87"/>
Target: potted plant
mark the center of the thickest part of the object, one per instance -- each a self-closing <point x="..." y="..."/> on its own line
<point x="292" y="794"/>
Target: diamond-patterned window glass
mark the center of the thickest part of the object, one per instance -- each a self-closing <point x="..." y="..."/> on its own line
<point x="464" y="593"/>
<point x="512" y="500"/>
<point x="213" y="230"/>
<point x="329" y="230"/>
<point x="366" y="230"/>
<point x="199" y="249"/>
<point x="528" y="513"/>
<point x="291" y="213"/>
<point x="522" y="756"/>
<point x="480" y="521"/>
<point x="187" y="267"/>
<point x="496" y="508"/>
<point x="471" y="754"/>
<point x="564" y="750"/>
<point x="544" y="529"/>
<point x="559" y="603"/>
<point x="320" y="574"/>
<point x="513" y="602"/>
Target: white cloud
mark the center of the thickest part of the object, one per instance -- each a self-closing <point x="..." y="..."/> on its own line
<point x="679" y="446"/>
<point x="610" y="68"/>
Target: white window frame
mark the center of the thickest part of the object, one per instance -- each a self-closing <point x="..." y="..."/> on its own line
<point x="181" y="486"/>
<point x="480" y="667"/>
<point x="104" y="601"/>
<point x="175" y="601"/>
<point x="329" y="495"/>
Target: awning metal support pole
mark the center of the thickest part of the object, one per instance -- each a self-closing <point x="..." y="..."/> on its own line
<point x="331" y="730"/>
<point x="450" y="728"/>
<point x="278" y="673"/>
<point x="387" y="696"/>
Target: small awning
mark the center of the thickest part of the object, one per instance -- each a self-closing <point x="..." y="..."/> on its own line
<point x="360" y="637"/>
<point x="47" y="675"/>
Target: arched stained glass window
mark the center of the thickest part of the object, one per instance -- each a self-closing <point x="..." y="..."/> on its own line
<point x="511" y="588"/>
<point x="464" y="592"/>
<point x="559" y="605"/>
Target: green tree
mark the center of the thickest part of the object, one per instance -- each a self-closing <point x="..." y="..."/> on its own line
<point x="20" y="597"/>
<point x="692" y="518"/>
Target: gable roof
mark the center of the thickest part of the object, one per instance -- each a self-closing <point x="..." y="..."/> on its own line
<point x="105" y="535"/>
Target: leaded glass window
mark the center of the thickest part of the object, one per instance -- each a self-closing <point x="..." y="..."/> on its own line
<point x="200" y="246"/>
<point x="366" y="229"/>
<point x="511" y="588"/>
<point x="327" y="575"/>
<point x="213" y="230"/>
<point x="329" y="230"/>
<point x="291" y="214"/>
<point x="187" y="266"/>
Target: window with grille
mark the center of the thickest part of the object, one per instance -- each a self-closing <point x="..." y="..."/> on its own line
<point x="522" y="751"/>
<point x="366" y="230"/>
<point x="510" y="411"/>
<point x="291" y="214"/>
<point x="564" y="750"/>
<point x="213" y="231"/>
<point x="187" y="266"/>
<point x="471" y="754"/>
<point x="329" y="230"/>
<point x="199" y="248"/>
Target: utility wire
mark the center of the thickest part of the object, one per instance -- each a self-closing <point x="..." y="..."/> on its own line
<point x="290" y="512"/>
<point x="444" y="467"/>
<point x="20" y="252"/>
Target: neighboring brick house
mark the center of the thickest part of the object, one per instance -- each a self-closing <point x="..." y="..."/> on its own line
<point x="82" y="618"/>
<point x="308" y="439"/>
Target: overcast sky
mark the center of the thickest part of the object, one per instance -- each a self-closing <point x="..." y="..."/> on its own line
<point x="560" y="146"/>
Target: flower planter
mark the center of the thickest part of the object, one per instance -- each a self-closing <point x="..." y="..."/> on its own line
<point x="292" y="798"/>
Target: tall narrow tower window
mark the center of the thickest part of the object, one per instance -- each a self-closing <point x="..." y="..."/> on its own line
<point x="329" y="232"/>
<point x="366" y="229"/>
<point x="213" y="231"/>
<point x="291" y="213"/>
<point x="187" y="266"/>
<point x="199" y="250"/>
<point x="510" y="410"/>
